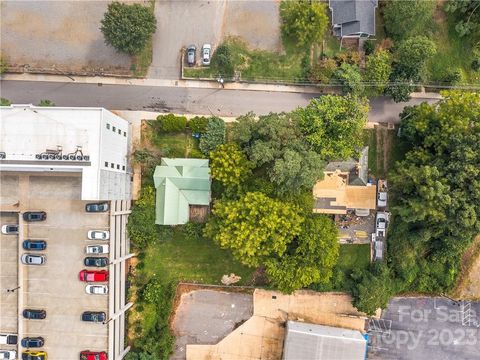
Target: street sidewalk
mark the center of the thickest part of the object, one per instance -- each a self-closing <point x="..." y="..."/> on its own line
<point x="199" y="84"/>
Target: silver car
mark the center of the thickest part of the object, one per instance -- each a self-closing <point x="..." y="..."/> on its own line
<point x="97" y="249"/>
<point x="98" y="234"/>
<point x="191" y="51"/>
<point x="96" y="289"/>
<point x="30" y="259"/>
<point x="206" y="54"/>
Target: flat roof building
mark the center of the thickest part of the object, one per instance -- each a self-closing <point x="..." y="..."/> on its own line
<point x="91" y="141"/>
<point x="318" y="342"/>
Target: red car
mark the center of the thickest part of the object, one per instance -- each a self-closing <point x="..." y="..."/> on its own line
<point x="93" y="355"/>
<point x="93" y="275"/>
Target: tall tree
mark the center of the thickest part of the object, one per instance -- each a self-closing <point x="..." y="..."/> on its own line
<point x="349" y="77"/>
<point x="467" y="13"/>
<point x="378" y="69"/>
<point x="213" y="136"/>
<point x="303" y="22"/>
<point x="333" y="125"/>
<point x="128" y="28"/>
<point x="254" y="227"/>
<point x="408" y="18"/>
<point x="413" y="54"/>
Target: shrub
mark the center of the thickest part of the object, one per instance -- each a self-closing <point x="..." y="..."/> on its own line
<point x="214" y="135"/>
<point x="323" y="70"/>
<point x="3" y="65"/>
<point x="475" y="64"/>
<point x="222" y="61"/>
<point x="198" y="124"/>
<point x="141" y="223"/>
<point x="128" y="28"/>
<point x="5" y="102"/>
<point x="369" y="47"/>
<point x="349" y="57"/>
<point x="350" y="78"/>
<point x="196" y="154"/>
<point x="46" y="102"/>
<point x="171" y="124"/>
<point x="193" y="230"/>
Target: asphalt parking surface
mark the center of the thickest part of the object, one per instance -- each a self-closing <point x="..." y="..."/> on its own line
<point x="428" y="329"/>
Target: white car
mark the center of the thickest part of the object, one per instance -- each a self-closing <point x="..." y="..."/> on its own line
<point x="96" y="289"/>
<point x="206" y="54"/>
<point x="30" y="259"/>
<point x="97" y="249"/>
<point x="98" y="234"/>
<point x="10" y="229"/>
<point x="8" y="339"/>
<point x="382" y="199"/>
<point x="381" y="223"/>
<point x="8" y="354"/>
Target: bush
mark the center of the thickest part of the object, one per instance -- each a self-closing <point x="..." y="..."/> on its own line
<point x="214" y="135"/>
<point x="171" y="124"/>
<point x="369" y="47"/>
<point x="222" y="61"/>
<point x="3" y="65"/>
<point x="452" y="76"/>
<point x="193" y="230"/>
<point x="350" y="78"/>
<point x="349" y="57"/>
<point x="128" y="28"/>
<point x="196" y="154"/>
<point x="323" y="71"/>
<point x="198" y="124"/>
<point x="5" y="102"/>
<point x="46" y="103"/>
<point x="475" y="65"/>
<point x="141" y="223"/>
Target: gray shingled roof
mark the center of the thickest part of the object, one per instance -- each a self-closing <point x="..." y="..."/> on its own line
<point x="353" y="17"/>
<point x="357" y="168"/>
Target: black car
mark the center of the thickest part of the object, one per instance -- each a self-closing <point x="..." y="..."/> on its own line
<point x="96" y="207"/>
<point x="34" y="314"/>
<point x="34" y="245"/>
<point x="35" y="216"/>
<point x="32" y="342"/>
<point x="94" y="316"/>
<point x="96" y="261"/>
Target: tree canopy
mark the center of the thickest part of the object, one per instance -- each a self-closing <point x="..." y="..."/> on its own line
<point x="378" y="69"/>
<point x="467" y="14"/>
<point x="213" y="136"/>
<point x="254" y="227"/>
<point x="128" y="28"/>
<point x="333" y="125"/>
<point x="413" y="54"/>
<point x="303" y="22"/>
<point x="349" y="77"/>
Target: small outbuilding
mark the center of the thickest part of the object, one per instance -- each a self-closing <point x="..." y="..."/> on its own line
<point x="353" y="18"/>
<point x="183" y="187"/>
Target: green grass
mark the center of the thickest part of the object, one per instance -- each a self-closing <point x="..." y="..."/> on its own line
<point x="176" y="145"/>
<point x="370" y="140"/>
<point x="331" y="45"/>
<point x="398" y="149"/>
<point x="181" y="258"/>
<point x="198" y="73"/>
<point x="353" y="256"/>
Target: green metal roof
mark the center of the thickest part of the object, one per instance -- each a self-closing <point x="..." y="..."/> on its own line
<point x="180" y="183"/>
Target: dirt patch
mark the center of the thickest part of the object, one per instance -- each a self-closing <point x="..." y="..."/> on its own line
<point x="468" y="286"/>
<point x="384" y="149"/>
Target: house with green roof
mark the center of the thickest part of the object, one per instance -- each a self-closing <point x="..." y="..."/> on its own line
<point x="182" y="185"/>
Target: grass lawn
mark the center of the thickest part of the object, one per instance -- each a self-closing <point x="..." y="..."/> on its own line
<point x="198" y="72"/>
<point x="398" y="149"/>
<point x="174" y="144"/>
<point x="184" y="258"/>
<point x="353" y="256"/>
<point x="370" y="140"/>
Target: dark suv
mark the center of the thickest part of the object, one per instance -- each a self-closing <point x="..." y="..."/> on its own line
<point x="35" y="216"/>
<point x="34" y="245"/>
<point x="32" y="342"/>
<point x="94" y="316"/>
<point x="96" y="207"/>
<point x="96" y="261"/>
<point x="34" y="314"/>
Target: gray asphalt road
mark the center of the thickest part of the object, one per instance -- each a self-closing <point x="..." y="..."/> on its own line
<point x="179" y="100"/>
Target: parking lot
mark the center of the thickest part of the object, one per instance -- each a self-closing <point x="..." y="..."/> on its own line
<point x="426" y="329"/>
<point x="54" y="286"/>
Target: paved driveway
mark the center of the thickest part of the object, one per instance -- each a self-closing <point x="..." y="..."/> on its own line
<point x="64" y="34"/>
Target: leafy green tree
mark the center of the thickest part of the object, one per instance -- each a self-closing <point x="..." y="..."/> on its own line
<point x="333" y="125"/>
<point x="229" y="165"/>
<point x="378" y="69"/>
<point x="255" y="227"/>
<point x="400" y="86"/>
<point x="141" y="223"/>
<point x="198" y="124"/>
<point x="467" y="14"/>
<point x="310" y="257"/>
<point x="222" y="60"/>
<point x="303" y="22"/>
<point x="349" y="77"/>
<point x="46" y="103"/>
<point x="372" y="289"/>
<point x="214" y="135"/>
<point x="5" y="102"/>
<point x="128" y="28"/>
<point x="408" y="18"/>
<point x="323" y="71"/>
<point x="3" y="65"/>
<point x="275" y="145"/>
<point x="170" y="123"/>
<point x="413" y="54"/>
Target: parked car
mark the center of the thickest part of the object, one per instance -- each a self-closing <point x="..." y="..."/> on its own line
<point x="378" y="250"/>
<point x="35" y="216"/>
<point x="34" y="314"/>
<point x="8" y="339"/>
<point x="94" y="316"/>
<point x="98" y="234"/>
<point x="96" y="289"/>
<point x="34" y="355"/>
<point x="31" y="259"/>
<point x="97" y="249"/>
<point x="33" y="342"/>
<point x="381" y="223"/>
<point x="8" y="354"/>
<point x="97" y="207"/>
<point x="382" y="193"/>
<point x="10" y="229"/>
<point x="93" y="355"/>
<point x="93" y="275"/>
<point x="34" y="245"/>
<point x="191" y="52"/>
<point x="206" y="54"/>
<point x="96" y="261"/>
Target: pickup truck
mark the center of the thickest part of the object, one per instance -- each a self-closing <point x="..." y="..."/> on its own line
<point x="8" y="339"/>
